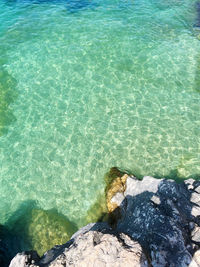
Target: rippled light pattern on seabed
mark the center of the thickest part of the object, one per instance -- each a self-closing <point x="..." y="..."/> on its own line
<point x="87" y="85"/>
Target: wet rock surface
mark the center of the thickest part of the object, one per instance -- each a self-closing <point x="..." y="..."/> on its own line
<point x="159" y="225"/>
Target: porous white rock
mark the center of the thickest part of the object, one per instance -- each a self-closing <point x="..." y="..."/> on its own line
<point x="90" y="249"/>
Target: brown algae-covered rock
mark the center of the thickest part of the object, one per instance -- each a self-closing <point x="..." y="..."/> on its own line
<point x="111" y="175"/>
<point x="48" y="228"/>
<point x="43" y="229"/>
<point x="115" y="187"/>
<point x="114" y="195"/>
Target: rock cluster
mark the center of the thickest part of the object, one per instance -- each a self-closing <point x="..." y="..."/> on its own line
<point x="157" y="224"/>
<point x="164" y="217"/>
<point x="95" y="245"/>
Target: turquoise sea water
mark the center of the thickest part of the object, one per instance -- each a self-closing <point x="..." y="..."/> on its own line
<point x="87" y="85"/>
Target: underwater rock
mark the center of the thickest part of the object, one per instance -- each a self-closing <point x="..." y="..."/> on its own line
<point x="47" y="228"/>
<point x="197" y="24"/>
<point x="98" y="212"/>
<point x="8" y="94"/>
<point x="37" y="229"/>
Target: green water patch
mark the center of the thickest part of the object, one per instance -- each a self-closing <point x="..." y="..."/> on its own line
<point x="8" y="94"/>
<point x="38" y="229"/>
<point x="98" y="211"/>
<point x="109" y="86"/>
<point x="197" y="74"/>
<point x="185" y="163"/>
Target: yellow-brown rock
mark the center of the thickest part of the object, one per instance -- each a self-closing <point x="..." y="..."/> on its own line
<point x="117" y="186"/>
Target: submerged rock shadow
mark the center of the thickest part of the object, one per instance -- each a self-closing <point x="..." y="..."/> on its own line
<point x="197" y="74"/>
<point x="31" y="228"/>
<point x="8" y="95"/>
<point x="71" y="5"/>
<point x="77" y="5"/>
<point x="197" y="6"/>
<point x="174" y="175"/>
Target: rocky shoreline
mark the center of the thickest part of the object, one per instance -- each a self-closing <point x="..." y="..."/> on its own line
<point x="153" y="222"/>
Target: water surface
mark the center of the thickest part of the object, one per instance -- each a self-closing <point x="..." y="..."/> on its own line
<point x="87" y="85"/>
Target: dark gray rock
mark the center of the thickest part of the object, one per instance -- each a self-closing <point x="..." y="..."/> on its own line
<point x="158" y="213"/>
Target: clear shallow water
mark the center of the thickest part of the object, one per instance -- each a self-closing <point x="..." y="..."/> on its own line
<point x="87" y="85"/>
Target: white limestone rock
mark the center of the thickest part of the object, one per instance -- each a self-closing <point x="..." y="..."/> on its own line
<point x="90" y="249"/>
